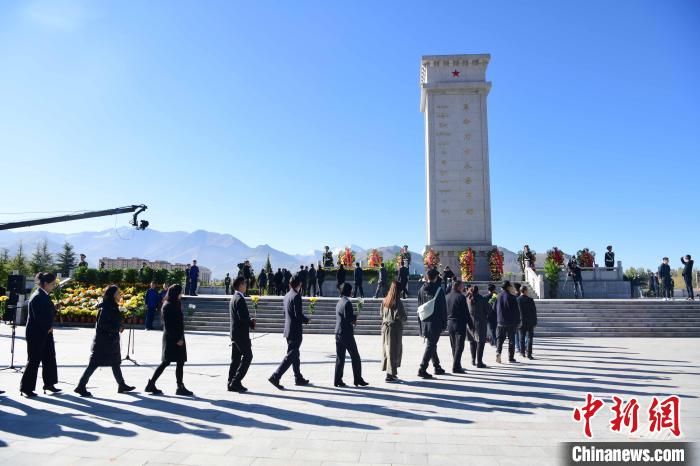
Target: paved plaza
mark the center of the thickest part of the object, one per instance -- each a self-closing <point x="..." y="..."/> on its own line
<point x="458" y="419"/>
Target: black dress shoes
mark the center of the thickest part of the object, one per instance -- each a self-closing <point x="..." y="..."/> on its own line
<point x="301" y="381"/>
<point x="276" y="382"/>
<point x="361" y="383"/>
<point x="82" y="391"/>
<point x="27" y="394"/>
<point x="51" y="389"/>
<point x="340" y="384"/>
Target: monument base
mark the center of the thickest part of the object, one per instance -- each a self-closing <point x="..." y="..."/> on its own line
<point x="449" y="256"/>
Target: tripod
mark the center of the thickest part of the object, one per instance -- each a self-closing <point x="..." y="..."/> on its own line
<point x="130" y="345"/>
<point x="12" y="344"/>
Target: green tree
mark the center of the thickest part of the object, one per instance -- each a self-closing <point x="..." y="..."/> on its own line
<point x="131" y="276"/>
<point x="116" y="275"/>
<point x="19" y="262"/>
<point x="176" y="277"/>
<point x="42" y="259"/>
<point x="160" y="276"/>
<point x="268" y="265"/>
<point x="66" y="259"/>
<point x="4" y="265"/>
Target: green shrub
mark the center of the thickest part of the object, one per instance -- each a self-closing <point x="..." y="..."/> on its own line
<point x="104" y="277"/>
<point x="116" y="275"/>
<point x="160" y="276"/>
<point x="551" y="274"/>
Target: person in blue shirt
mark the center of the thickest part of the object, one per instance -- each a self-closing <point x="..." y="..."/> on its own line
<point x="152" y="300"/>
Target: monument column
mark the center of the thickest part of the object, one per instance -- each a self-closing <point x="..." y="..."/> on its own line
<point x="453" y="102"/>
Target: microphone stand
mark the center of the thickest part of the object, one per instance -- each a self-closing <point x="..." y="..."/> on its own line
<point x="131" y="343"/>
<point x="12" y="367"/>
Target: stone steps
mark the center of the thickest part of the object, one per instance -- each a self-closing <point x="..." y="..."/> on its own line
<point x="557" y="318"/>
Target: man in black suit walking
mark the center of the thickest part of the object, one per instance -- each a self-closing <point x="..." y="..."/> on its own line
<point x="240" y="325"/>
<point x="381" y="281"/>
<point x="458" y="319"/>
<point x="312" y="281"/>
<point x="433" y="326"/>
<point x="294" y="319"/>
<point x="302" y="277"/>
<point x="403" y="280"/>
<point x="358" y="276"/>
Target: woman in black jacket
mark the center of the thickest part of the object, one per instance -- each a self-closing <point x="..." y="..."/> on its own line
<point x="39" y="336"/>
<point x="345" y="321"/>
<point x="174" y="348"/>
<point x="106" y="350"/>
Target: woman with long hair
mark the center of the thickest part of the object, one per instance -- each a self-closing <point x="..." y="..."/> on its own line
<point x="345" y="321"/>
<point x="106" y="349"/>
<point x="39" y="337"/>
<point x="479" y="310"/>
<point x="174" y="348"/>
<point x="393" y="319"/>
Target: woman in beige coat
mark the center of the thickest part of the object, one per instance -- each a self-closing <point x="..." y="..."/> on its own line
<point x="393" y="318"/>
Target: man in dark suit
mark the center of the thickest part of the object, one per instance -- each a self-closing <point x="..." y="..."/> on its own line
<point x="577" y="277"/>
<point x="688" y="275"/>
<point x="247" y="275"/>
<point x="302" y="277"/>
<point x="508" y="315"/>
<point x="340" y="276"/>
<point x="194" y="278"/>
<point x="433" y="326"/>
<point x="609" y="258"/>
<point x="279" y="279"/>
<point x="528" y="322"/>
<point x="320" y="278"/>
<point x="458" y="318"/>
<point x="312" y="281"/>
<point x="262" y="281"/>
<point x="381" y="281"/>
<point x="403" y="279"/>
<point x="665" y="277"/>
<point x="187" y="279"/>
<point x="240" y="325"/>
<point x="358" y="276"/>
<point x="227" y="283"/>
<point x="294" y="319"/>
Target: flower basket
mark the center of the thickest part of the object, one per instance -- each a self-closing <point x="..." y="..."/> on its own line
<point x="375" y="258"/>
<point x="346" y="258"/>
<point x="556" y="255"/>
<point x="495" y="257"/>
<point x="585" y="258"/>
<point x="431" y="258"/>
<point x="466" y="263"/>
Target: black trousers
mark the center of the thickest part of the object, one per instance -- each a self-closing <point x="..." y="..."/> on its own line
<point x="228" y="288"/>
<point x="179" y="371"/>
<point x="404" y="289"/>
<point x="358" y="287"/>
<point x="668" y="292"/>
<point x="430" y="353"/>
<point x="312" y="288"/>
<point x="503" y="332"/>
<point x="91" y="368"/>
<point x="241" y="357"/>
<point x="44" y="355"/>
<point x="380" y="290"/>
<point x="304" y="288"/>
<point x="320" y="288"/>
<point x="458" y="335"/>
<point x="476" y="348"/>
<point x="292" y="358"/>
<point x="187" y="287"/>
<point x="346" y="343"/>
<point x="526" y="336"/>
<point x="688" y="285"/>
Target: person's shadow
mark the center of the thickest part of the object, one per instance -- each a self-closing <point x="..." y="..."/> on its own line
<point x="46" y="423"/>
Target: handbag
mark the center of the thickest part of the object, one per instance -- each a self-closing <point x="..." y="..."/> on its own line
<point x="426" y="310"/>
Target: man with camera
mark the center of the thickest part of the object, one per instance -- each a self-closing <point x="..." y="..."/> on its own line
<point x="240" y="326"/>
<point x="575" y="274"/>
<point x="688" y="275"/>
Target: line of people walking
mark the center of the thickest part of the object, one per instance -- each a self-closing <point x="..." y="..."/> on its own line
<point x="466" y="315"/>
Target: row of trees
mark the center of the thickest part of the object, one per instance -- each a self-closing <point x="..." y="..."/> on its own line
<point x="143" y="276"/>
<point x="40" y="260"/>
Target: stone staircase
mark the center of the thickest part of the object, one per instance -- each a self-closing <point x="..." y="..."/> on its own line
<point x="557" y="318"/>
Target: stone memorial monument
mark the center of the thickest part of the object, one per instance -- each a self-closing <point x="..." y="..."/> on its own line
<point x="453" y="102"/>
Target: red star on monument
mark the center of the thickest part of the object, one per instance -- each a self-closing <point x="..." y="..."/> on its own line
<point x="455" y="74"/>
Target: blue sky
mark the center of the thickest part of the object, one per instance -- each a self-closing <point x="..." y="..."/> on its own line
<point x="297" y="124"/>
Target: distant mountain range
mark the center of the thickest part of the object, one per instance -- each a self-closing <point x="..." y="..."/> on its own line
<point x="219" y="252"/>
